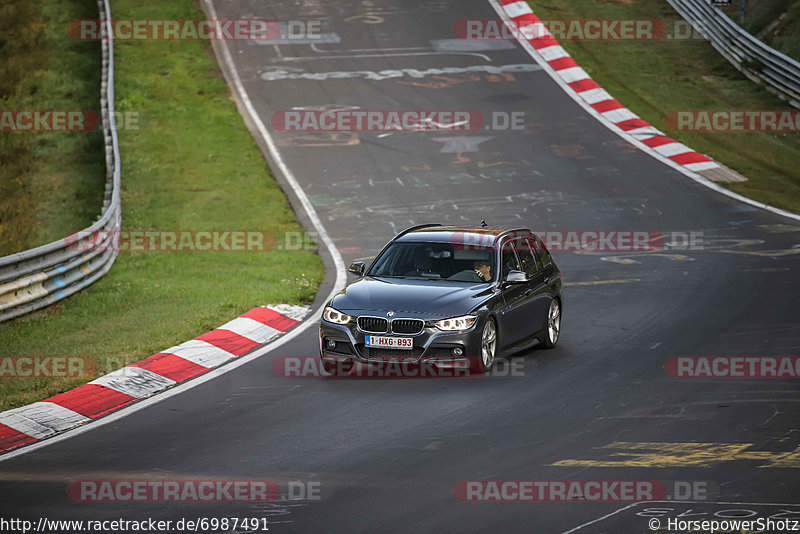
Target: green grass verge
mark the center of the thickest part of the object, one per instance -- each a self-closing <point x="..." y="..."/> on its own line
<point x="192" y="165"/>
<point x="652" y="78"/>
<point x="51" y="184"/>
<point x="785" y="37"/>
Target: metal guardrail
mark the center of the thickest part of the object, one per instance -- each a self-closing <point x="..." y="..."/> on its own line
<point x="38" y="277"/>
<point x="756" y="60"/>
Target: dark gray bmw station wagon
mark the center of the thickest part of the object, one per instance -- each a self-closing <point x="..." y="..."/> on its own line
<point x="446" y="296"/>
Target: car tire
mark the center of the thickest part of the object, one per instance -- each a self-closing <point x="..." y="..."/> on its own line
<point x="488" y="346"/>
<point x="552" y="330"/>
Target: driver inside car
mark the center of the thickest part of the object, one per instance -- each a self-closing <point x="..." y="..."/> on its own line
<point x="483" y="270"/>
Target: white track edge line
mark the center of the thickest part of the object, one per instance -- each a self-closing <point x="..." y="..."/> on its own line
<point x="338" y="261"/>
<point x="641" y="146"/>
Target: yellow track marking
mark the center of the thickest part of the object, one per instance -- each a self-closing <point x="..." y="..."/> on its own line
<point x="655" y="454"/>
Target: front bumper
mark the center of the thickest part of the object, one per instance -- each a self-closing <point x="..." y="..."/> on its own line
<point x="430" y="345"/>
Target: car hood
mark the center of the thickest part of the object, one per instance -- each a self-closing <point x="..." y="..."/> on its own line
<point x="424" y="299"/>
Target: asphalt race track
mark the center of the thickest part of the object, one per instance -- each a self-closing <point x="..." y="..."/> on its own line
<point x="387" y="453"/>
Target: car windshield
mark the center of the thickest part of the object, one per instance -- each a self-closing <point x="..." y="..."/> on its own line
<point x="436" y="261"/>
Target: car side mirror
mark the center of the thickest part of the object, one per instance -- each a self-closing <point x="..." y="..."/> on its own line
<point x="357" y="268"/>
<point x="516" y="277"/>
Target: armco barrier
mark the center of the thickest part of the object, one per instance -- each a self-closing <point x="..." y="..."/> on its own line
<point x="756" y="60"/>
<point x="38" y="277"/>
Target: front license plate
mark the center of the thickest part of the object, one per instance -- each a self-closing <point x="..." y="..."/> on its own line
<point x="385" y="342"/>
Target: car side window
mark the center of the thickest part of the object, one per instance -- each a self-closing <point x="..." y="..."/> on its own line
<point x="527" y="261"/>
<point x="531" y="242"/>
<point x="541" y="252"/>
<point x="508" y="259"/>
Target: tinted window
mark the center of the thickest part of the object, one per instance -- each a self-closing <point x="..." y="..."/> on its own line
<point x="435" y="261"/>
<point x="527" y="261"/>
<point x="508" y="259"/>
<point x="542" y="252"/>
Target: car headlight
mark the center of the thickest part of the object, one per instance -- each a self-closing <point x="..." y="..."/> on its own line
<point x="335" y="316"/>
<point x="456" y="323"/>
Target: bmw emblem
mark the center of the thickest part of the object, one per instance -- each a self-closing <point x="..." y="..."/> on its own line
<point x="390" y="314"/>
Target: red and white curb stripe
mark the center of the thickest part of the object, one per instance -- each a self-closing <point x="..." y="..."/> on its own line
<point x="147" y="377"/>
<point x="535" y="32"/>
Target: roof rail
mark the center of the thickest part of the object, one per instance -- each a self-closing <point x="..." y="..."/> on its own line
<point x="417" y="227"/>
<point x="513" y="231"/>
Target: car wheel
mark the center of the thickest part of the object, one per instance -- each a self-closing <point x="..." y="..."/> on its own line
<point x="553" y="324"/>
<point x="488" y="345"/>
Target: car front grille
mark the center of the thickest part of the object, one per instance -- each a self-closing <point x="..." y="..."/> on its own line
<point x="407" y="326"/>
<point x="376" y="325"/>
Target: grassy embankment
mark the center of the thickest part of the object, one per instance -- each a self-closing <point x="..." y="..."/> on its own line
<point x="191" y="165"/>
<point x="50" y="183"/>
